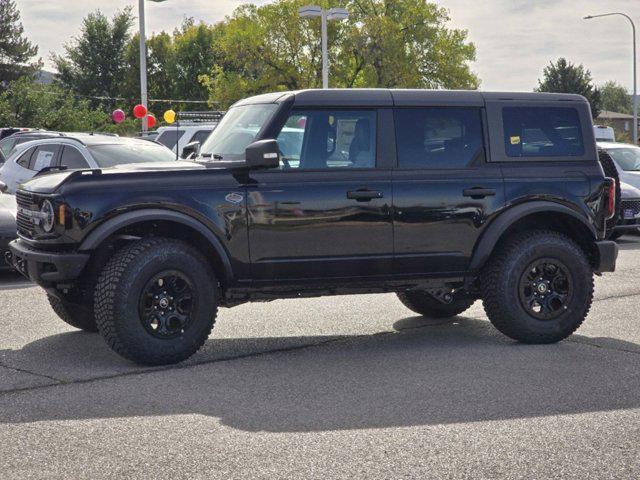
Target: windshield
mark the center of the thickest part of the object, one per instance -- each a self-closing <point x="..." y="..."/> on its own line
<point x="627" y="158"/>
<point x="237" y="129"/>
<point x="110" y="155"/>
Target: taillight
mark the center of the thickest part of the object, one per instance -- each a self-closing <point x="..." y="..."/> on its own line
<point x="611" y="201"/>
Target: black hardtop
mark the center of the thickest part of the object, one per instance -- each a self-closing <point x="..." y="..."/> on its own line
<point x="385" y="97"/>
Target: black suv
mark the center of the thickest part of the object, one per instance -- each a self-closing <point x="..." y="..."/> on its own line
<point x="442" y="197"/>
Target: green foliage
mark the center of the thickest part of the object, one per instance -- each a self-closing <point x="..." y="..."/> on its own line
<point x="15" y="50"/>
<point x="50" y="107"/>
<point x="615" y="98"/>
<point x="565" y="77"/>
<point x="383" y="44"/>
<point x="94" y="61"/>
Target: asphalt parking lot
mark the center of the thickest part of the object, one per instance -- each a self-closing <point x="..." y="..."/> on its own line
<point x="344" y="387"/>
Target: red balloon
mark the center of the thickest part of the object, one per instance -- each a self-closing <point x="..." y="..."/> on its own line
<point x="151" y="120"/>
<point x="139" y="111"/>
<point x="118" y="116"/>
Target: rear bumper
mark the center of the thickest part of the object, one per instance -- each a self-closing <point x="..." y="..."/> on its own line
<point x="46" y="268"/>
<point x="607" y="256"/>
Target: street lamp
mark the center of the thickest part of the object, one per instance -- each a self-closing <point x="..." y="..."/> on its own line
<point x="331" y="14"/>
<point x="635" y="72"/>
<point x="143" y="61"/>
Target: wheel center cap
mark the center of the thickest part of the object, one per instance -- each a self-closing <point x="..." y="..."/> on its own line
<point x="542" y="288"/>
<point x="164" y="303"/>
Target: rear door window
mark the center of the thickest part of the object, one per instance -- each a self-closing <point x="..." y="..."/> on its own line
<point x="542" y="132"/>
<point x="43" y="157"/>
<point x="169" y="138"/>
<point x="438" y="138"/>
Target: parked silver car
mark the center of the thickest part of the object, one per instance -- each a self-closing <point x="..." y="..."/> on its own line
<point x="626" y="158"/>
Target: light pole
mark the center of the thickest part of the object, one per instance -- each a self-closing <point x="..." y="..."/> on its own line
<point x="635" y="72"/>
<point x="331" y="14"/>
<point x="143" y="61"/>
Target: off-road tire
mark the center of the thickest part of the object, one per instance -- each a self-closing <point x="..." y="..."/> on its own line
<point x="117" y="297"/>
<point x="78" y="316"/>
<point x="501" y="279"/>
<point x="426" y="305"/>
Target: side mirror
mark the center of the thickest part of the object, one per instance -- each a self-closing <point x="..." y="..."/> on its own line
<point x="263" y="154"/>
<point x="3" y="187"/>
<point x="189" y="149"/>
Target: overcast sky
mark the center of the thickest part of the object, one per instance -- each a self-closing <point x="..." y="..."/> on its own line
<point x="515" y="39"/>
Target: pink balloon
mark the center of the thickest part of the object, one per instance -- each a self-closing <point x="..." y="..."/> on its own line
<point x="118" y="116"/>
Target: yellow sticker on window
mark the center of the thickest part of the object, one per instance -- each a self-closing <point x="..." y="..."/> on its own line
<point x="515" y="140"/>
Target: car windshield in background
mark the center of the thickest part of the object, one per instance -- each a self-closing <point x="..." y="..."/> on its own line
<point x="237" y="129"/>
<point x="627" y="158"/>
<point x="109" y="155"/>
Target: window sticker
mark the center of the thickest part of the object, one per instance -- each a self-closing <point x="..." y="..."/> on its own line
<point x="515" y="140"/>
<point x="43" y="160"/>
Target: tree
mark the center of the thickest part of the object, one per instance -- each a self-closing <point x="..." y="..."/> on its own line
<point x="383" y="44"/>
<point x="49" y="107"/>
<point x="565" y="77"/>
<point x="94" y="64"/>
<point x="15" y="50"/>
<point x="615" y="98"/>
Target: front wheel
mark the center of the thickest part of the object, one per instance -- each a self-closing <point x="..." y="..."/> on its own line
<point x="426" y="305"/>
<point x="538" y="287"/>
<point x="156" y="301"/>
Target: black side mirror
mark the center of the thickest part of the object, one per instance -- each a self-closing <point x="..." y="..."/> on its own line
<point x="189" y="149"/>
<point x="3" y="187"/>
<point x="263" y="154"/>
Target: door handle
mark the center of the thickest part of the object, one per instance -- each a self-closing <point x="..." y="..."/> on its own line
<point x="364" y="195"/>
<point x="479" y="192"/>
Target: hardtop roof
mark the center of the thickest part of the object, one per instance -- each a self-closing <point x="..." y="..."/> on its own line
<point x="385" y="97"/>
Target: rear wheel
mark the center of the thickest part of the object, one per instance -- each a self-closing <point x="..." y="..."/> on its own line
<point x="538" y="287"/>
<point x="426" y="305"/>
<point x="156" y="301"/>
<point x="76" y="315"/>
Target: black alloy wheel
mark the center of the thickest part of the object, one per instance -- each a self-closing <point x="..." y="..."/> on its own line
<point x="166" y="304"/>
<point x="545" y="289"/>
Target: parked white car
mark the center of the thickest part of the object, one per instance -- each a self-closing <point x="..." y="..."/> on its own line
<point x="77" y="152"/>
<point x="177" y="137"/>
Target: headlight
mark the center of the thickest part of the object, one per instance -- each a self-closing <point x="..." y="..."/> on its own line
<point x="47" y="216"/>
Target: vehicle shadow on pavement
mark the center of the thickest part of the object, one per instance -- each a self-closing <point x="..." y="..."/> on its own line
<point x="422" y="373"/>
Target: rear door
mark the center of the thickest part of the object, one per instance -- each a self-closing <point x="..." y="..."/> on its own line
<point x="444" y="189"/>
<point x="326" y="212"/>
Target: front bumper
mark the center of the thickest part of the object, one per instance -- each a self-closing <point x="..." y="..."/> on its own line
<point x="607" y="256"/>
<point x="46" y="268"/>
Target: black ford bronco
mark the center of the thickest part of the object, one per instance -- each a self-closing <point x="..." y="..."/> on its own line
<point x="441" y="197"/>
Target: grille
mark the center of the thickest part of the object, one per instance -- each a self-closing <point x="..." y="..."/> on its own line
<point x="633" y="205"/>
<point x="25" y="203"/>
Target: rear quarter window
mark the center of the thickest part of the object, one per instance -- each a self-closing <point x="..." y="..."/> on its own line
<point x="169" y="138"/>
<point x="542" y="132"/>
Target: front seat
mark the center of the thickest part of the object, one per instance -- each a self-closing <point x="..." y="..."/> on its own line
<point x="360" y="154"/>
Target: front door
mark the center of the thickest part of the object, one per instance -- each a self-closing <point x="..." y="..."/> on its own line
<point x="326" y="212"/>
<point x="444" y="190"/>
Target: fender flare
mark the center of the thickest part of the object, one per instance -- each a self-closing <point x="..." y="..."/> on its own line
<point x="498" y="226"/>
<point x="106" y="229"/>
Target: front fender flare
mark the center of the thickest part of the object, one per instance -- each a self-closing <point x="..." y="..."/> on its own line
<point x="106" y="229"/>
<point x="497" y="227"/>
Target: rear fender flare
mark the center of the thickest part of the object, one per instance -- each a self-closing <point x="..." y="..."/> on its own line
<point x="499" y="226"/>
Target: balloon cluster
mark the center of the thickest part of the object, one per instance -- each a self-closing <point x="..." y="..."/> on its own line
<point x="140" y="111"/>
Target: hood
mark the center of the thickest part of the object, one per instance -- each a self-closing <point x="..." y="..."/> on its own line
<point x="162" y="172"/>
<point x="629" y="177"/>
<point x="629" y="191"/>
